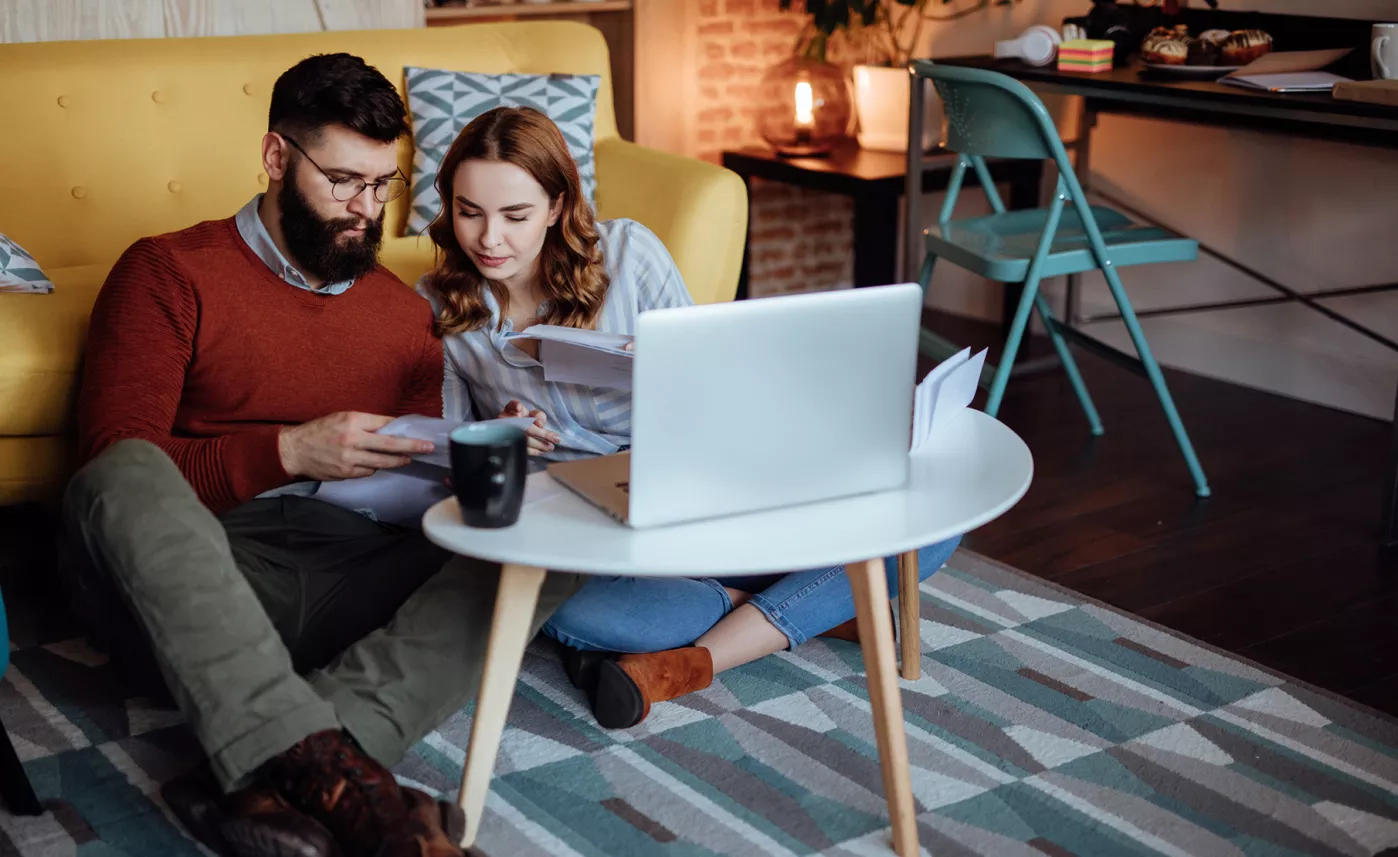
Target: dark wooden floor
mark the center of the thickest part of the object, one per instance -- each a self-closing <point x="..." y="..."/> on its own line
<point x="1281" y="565"/>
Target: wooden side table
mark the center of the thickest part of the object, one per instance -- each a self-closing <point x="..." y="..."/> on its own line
<point x="875" y="181"/>
<point x="977" y="471"/>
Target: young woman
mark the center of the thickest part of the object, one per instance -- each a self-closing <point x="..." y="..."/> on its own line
<point x="519" y="246"/>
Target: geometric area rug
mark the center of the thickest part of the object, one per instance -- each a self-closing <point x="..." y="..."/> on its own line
<point x="1044" y="724"/>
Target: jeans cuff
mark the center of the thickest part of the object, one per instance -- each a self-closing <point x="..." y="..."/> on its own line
<point x="234" y="763"/>
<point x="794" y="635"/>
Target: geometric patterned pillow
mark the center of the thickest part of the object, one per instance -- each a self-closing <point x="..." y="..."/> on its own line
<point x="444" y="102"/>
<point x="19" y="272"/>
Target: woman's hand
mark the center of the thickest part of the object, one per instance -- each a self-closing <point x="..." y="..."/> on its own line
<point x="540" y="439"/>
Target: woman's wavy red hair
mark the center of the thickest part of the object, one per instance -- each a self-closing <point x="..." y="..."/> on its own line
<point x="574" y="281"/>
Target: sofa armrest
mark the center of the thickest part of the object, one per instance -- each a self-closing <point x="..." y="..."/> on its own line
<point x="698" y="209"/>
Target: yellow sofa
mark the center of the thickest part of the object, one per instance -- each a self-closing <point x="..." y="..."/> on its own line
<point x="107" y="141"/>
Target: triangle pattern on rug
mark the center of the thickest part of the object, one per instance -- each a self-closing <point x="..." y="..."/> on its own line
<point x="798" y="710"/>
<point x="1375" y="834"/>
<point x="1032" y="606"/>
<point x="1048" y="750"/>
<point x="1182" y="740"/>
<point x="1279" y="703"/>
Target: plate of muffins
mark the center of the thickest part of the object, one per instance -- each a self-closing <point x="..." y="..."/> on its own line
<point x="1209" y="54"/>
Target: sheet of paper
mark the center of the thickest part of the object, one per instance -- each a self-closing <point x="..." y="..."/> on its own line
<point x="570" y="363"/>
<point x="1282" y="62"/>
<point x="587" y="338"/>
<point x="1296" y="81"/>
<point x="437" y="430"/>
<point x="925" y="399"/>
<point x="943" y="395"/>
<point x="957" y="391"/>
<point x="398" y="496"/>
<point x="403" y="495"/>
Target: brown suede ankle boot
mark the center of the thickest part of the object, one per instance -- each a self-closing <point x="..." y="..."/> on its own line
<point x="329" y="778"/>
<point x="627" y="686"/>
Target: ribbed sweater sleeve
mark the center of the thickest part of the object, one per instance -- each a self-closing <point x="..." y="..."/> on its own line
<point x="139" y="346"/>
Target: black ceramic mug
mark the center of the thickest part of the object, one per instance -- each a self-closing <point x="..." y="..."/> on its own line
<point x="488" y="466"/>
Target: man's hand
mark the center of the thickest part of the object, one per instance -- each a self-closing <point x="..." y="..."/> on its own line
<point x="344" y="446"/>
<point x="540" y="439"/>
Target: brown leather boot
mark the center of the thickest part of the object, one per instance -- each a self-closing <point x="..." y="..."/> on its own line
<point x="432" y="830"/>
<point x="328" y="777"/>
<point x="627" y="686"/>
<point x="251" y="822"/>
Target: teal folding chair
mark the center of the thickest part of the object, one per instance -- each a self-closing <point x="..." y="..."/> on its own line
<point x="992" y="115"/>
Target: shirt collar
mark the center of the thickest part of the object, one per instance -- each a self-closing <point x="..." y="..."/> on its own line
<point x="255" y="233"/>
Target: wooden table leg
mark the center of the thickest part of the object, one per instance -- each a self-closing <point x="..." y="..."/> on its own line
<point x="509" y="634"/>
<point x="875" y="622"/>
<point x="909" y="616"/>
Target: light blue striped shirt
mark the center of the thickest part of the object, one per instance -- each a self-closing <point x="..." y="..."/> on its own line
<point x="485" y="371"/>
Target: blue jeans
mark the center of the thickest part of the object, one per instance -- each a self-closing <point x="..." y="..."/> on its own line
<point x="652" y="614"/>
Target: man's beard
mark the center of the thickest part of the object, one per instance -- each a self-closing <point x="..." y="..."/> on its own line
<point x="316" y="244"/>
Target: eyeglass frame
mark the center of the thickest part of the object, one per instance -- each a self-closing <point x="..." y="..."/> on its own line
<point x="335" y="183"/>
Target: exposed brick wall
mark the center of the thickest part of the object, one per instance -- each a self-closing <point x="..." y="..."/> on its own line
<point x="801" y="240"/>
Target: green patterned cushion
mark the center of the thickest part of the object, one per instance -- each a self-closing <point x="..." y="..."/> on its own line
<point x="444" y="102"/>
<point x="19" y="272"/>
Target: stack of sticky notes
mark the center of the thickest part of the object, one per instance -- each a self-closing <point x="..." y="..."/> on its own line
<point x="1086" y="55"/>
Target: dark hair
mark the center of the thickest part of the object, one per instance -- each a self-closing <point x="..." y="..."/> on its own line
<point x="336" y="89"/>
<point x="574" y="279"/>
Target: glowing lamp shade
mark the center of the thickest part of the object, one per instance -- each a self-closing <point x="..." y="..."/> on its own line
<point x="804" y="107"/>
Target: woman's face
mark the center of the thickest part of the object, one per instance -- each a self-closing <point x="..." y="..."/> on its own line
<point x="501" y="216"/>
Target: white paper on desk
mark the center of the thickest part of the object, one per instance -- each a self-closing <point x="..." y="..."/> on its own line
<point x="1298" y="81"/>
<point x="944" y="393"/>
<point x="438" y="430"/>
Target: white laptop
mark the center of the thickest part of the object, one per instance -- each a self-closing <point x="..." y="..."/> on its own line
<point x="762" y="403"/>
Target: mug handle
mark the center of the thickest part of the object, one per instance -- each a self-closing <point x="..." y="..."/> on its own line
<point x="1379" y="67"/>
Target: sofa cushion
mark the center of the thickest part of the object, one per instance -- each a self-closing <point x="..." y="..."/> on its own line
<point x="19" y="272"/>
<point x="43" y="349"/>
<point x="443" y="102"/>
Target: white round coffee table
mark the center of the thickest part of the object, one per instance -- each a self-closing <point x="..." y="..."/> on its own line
<point x="975" y="471"/>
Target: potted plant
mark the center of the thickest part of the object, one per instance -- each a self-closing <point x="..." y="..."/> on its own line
<point x="884" y="33"/>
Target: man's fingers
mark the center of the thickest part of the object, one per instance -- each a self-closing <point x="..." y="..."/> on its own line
<point x="370" y="422"/>
<point x="394" y="445"/>
<point x="375" y="461"/>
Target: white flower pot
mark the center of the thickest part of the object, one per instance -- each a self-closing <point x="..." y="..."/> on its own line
<point x="881" y="102"/>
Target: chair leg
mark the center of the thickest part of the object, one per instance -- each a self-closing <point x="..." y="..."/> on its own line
<point x="14" y="782"/>
<point x="1007" y="360"/>
<point x="1157" y="380"/>
<point x="1070" y="366"/>
<point x="924" y="277"/>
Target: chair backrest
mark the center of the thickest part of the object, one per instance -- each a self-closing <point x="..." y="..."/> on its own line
<point x="993" y="115"/>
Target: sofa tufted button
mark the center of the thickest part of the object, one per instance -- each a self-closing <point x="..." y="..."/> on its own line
<point x="79" y="192"/>
<point x="64" y="101"/>
<point x="247" y="89"/>
<point x="158" y="97"/>
<point x="175" y="187"/>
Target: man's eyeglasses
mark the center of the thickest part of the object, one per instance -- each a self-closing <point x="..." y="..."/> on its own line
<point x="347" y="188"/>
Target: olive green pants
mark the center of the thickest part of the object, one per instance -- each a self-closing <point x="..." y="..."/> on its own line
<point x="281" y="618"/>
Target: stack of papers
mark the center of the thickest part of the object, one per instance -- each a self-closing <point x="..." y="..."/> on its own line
<point x="943" y="396"/>
<point x="588" y="357"/>
<point x="401" y="495"/>
<point x="1290" y="71"/>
